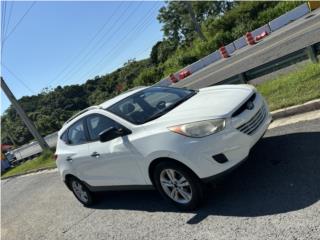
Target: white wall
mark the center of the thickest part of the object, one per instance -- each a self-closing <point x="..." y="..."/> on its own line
<point x="230" y="48"/>
<point x="260" y="30"/>
<point x="286" y="18"/>
<point x="240" y="42"/>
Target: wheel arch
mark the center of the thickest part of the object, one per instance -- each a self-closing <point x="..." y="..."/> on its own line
<point x="156" y="161"/>
<point x="67" y="179"/>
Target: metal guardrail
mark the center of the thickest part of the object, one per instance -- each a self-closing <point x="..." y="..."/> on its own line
<point x="274" y="65"/>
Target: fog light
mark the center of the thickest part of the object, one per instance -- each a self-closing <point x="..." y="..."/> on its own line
<point x="220" y="158"/>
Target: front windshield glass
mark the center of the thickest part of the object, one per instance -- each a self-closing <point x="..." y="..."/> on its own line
<point x="150" y="103"/>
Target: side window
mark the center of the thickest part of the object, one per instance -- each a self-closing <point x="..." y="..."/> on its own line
<point x="97" y="124"/>
<point x="64" y="137"/>
<point x="76" y="133"/>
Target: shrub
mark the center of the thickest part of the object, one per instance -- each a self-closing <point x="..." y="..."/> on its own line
<point x="147" y="76"/>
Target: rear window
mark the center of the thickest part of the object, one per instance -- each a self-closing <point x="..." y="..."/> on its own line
<point x="75" y="134"/>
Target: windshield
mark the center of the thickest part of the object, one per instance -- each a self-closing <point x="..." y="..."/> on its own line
<point x="150" y="103"/>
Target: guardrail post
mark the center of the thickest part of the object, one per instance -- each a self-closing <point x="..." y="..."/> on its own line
<point x="242" y="77"/>
<point x="312" y="54"/>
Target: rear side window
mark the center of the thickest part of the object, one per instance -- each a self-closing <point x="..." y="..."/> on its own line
<point x="97" y="124"/>
<point x="76" y="133"/>
<point x="64" y="137"/>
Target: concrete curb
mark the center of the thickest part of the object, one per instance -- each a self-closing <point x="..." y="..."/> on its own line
<point x="303" y="108"/>
<point x="28" y="172"/>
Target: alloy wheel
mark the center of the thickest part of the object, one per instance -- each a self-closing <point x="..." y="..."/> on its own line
<point x="176" y="186"/>
<point x="80" y="191"/>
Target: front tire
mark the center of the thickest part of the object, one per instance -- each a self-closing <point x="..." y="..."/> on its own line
<point x="81" y="192"/>
<point x="178" y="185"/>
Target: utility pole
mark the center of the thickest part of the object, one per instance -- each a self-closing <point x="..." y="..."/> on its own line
<point x="197" y="27"/>
<point x="23" y="115"/>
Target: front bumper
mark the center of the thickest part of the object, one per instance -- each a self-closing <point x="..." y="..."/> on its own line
<point x="222" y="174"/>
<point x="231" y="142"/>
<point x="230" y="169"/>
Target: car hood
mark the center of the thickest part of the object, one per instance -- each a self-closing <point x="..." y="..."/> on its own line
<point x="210" y="102"/>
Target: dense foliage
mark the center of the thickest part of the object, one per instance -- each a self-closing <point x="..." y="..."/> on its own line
<point x="221" y="22"/>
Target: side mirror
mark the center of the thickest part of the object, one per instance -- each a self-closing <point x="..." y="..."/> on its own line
<point x="112" y="133"/>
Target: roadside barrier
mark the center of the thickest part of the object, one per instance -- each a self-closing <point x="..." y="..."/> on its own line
<point x="240" y="42"/>
<point x="258" y="31"/>
<point x="173" y="78"/>
<point x="223" y="52"/>
<point x="184" y="73"/>
<point x="261" y="36"/>
<point x="288" y="17"/>
<point x="314" y="5"/>
<point x="230" y="48"/>
<point x="250" y="39"/>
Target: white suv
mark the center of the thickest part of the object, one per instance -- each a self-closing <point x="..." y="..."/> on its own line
<point x="170" y="138"/>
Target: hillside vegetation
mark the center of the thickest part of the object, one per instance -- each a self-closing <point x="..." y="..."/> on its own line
<point x="221" y="23"/>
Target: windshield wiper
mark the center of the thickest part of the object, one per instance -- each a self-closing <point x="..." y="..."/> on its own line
<point x="159" y="114"/>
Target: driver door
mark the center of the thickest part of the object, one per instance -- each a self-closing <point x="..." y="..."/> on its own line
<point x="111" y="163"/>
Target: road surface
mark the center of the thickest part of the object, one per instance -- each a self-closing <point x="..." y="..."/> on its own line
<point x="274" y="195"/>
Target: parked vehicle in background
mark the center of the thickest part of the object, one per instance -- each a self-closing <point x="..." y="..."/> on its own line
<point x="5" y="157"/>
<point x="170" y="138"/>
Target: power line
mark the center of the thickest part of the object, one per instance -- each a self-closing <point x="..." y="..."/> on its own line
<point x="19" y="22"/>
<point x="85" y="48"/>
<point x="99" y="46"/>
<point x="3" y="17"/>
<point x="95" y="47"/>
<point x="17" y="78"/>
<point x="3" y="13"/>
<point x="9" y="18"/>
<point x="137" y="27"/>
<point x="139" y="52"/>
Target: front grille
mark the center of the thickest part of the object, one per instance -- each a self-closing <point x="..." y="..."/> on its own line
<point x="243" y="107"/>
<point x="253" y="124"/>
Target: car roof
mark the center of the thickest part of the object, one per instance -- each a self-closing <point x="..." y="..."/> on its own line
<point x="103" y="105"/>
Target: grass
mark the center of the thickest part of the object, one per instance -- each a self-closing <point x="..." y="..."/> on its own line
<point x="45" y="160"/>
<point x="297" y="87"/>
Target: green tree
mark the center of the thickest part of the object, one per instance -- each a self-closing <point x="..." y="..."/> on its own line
<point x="175" y="17"/>
<point x="161" y="51"/>
<point x="147" y="76"/>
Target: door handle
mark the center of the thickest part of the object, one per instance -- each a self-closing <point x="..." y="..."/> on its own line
<point x="69" y="159"/>
<point x="95" y="154"/>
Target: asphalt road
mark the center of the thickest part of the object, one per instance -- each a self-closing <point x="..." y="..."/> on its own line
<point x="274" y="195"/>
<point x="295" y="36"/>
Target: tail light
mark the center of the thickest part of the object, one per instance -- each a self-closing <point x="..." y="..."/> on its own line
<point x="55" y="157"/>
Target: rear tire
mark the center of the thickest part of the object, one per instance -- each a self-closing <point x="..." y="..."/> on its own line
<point x="81" y="192"/>
<point x="178" y="185"/>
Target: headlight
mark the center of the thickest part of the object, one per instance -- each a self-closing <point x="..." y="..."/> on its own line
<point x="199" y="129"/>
